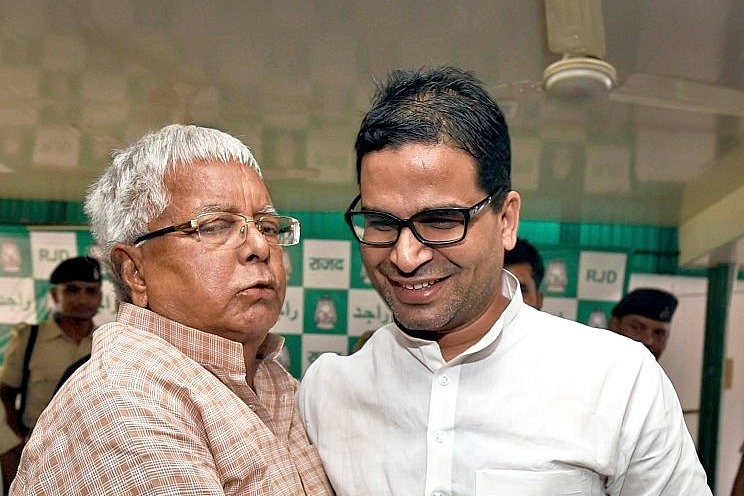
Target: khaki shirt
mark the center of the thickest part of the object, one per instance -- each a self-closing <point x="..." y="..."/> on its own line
<point x="8" y="438"/>
<point x="54" y="351"/>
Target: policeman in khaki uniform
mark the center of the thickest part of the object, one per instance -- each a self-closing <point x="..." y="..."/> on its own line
<point x="60" y="341"/>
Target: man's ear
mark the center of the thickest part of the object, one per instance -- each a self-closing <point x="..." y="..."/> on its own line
<point x="53" y="293"/>
<point x="510" y="219"/>
<point x="126" y="261"/>
<point x="614" y="324"/>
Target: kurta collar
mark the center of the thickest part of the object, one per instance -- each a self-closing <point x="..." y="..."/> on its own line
<point x="429" y="353"/>
<point x="203" y="347"/>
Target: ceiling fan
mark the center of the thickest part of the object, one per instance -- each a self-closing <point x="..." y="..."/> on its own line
<point x="575" y="31"/>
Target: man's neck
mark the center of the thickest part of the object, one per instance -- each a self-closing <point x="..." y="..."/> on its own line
<point x="76" y="329"/>
<point x="454" y="342"/>
<point x="252" y="358"/>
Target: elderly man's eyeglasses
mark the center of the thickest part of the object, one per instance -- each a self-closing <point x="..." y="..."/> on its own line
<point x="225" y="230"/>
<point x="436" y="227"/>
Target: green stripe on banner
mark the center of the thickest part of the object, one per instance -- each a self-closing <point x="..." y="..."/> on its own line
<point x="13" y="211"/>
<point x="4" y="337"/>
<point x="330" y="300"/>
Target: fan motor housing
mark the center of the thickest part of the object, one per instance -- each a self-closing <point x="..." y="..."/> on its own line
<point x="579" y="78"/>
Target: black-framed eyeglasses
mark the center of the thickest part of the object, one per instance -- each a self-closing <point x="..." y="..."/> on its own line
<point x="436" y="227"/>
<point x="225" y="230"/>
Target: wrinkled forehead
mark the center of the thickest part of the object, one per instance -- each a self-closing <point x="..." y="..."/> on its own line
<point x="213" y="186"/>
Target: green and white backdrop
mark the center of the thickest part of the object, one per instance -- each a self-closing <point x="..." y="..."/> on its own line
<point x="330" y="301"/>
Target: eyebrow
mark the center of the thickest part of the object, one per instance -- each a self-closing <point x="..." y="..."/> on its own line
<point x="213" y="207"/>
<point x="446" y="206"/>
<point x="267" y="209"/>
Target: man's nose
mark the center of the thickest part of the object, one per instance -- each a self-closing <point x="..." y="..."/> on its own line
<point x="408" y="252"/>
<point x="648" y="339"/>
<point x="254" y="241"/>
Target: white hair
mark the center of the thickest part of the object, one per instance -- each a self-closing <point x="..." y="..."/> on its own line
<point x="131" y="191"/>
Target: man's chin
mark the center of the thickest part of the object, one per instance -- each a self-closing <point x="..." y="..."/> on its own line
<point x="419" y="328"/>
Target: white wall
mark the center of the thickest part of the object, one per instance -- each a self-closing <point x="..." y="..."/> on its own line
<point x="731" y="435"/>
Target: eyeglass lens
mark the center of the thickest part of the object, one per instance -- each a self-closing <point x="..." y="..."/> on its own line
<point x="227" y="230"/>
<point x="434" y="226"/>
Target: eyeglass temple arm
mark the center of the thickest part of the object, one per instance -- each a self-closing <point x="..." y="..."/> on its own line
<point x="165" y="230"/>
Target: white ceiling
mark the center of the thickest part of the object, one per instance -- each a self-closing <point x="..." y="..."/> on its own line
<point x="78" y="78"/>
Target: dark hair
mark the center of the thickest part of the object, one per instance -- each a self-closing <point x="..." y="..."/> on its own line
<point x="439" y="105"/>
<point x="525" y="252"/>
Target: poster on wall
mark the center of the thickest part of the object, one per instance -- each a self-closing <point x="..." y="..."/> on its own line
<point x="27" y="258"/>
<point x="559" y="282"/>
<point x="601" y="281"/>
<point x="330" y="301"/>
<point x="583" y="285"/>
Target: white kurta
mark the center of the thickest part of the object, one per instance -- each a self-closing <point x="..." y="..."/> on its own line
<point x="540" y="406"/>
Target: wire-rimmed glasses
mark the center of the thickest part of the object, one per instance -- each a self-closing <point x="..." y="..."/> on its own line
<point x="226" y="230"/>
<point x="435" y="227"/>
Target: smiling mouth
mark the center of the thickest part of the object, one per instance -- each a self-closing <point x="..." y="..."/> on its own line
<point x="419" y="285"/>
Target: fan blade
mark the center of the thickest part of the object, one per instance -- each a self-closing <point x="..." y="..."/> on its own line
<point x="575" y="27"/>
<point x="679" y="94"/>
<point x="517" y="91"/>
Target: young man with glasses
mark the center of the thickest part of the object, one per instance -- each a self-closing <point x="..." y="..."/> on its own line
<point x="470" y="391"/>
<point x="182" y="394"/>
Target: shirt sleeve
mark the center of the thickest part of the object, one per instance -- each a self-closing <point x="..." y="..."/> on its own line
<point x="12" y="370"/>
<point x="657" y="451"/>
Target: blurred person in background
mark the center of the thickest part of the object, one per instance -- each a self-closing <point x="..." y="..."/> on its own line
<point x="38" y="356"/>
<point x="525" y="262"/>
<point x="645" y="315"/>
